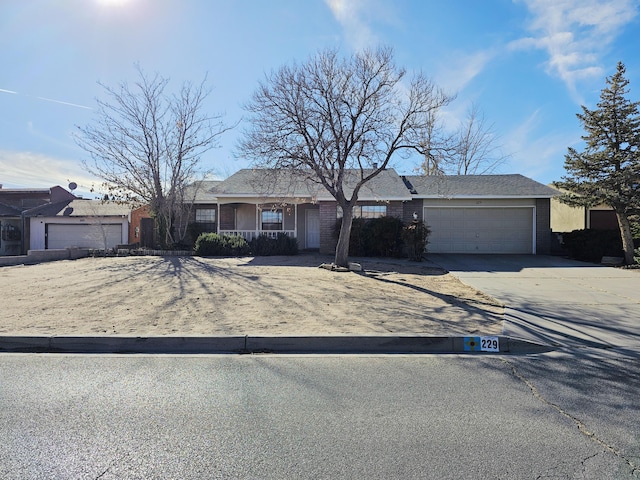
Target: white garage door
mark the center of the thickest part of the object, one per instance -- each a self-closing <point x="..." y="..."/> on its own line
<point x="84" y="236"/>
<point x="480" y="230"/>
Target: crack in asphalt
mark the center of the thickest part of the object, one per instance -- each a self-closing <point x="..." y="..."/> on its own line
<point x="103" y="473"/>
<point x="120" y="458"/>
<point x="581" y="426"/>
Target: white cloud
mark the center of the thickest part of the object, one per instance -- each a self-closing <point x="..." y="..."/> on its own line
<point x="461" y="69"/>
<point x="28" y="169"/>
<point x="351" y="14"/>
<point x="575" y="34"/>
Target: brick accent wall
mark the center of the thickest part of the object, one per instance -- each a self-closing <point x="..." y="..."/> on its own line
<point x="227" y="217"/>
<point x="329" y="215"/>
<point x="136" y="219"/>
<point x="543" y="226"/>
<point x="408" y="208"/>
<point x="395" y="209"/>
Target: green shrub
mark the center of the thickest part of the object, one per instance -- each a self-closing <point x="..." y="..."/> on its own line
<point x="237" y="245"/>
<point x="282" y="244"/>
<point x="591" y="245"/>
<point x="383" y="237"/>
<point x="375" y="237"/>
<point x="212" y="244"/>
<point x="416" y="237"/>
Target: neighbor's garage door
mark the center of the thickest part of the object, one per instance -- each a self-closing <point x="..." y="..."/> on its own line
<point x="84" y="236"/>
<point x="480" y="230"/>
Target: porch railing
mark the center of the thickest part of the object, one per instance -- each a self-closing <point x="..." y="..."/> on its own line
<point x="251" y="234"/>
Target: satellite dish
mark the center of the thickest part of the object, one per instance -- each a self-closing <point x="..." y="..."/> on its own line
<point x="73" y="186"/>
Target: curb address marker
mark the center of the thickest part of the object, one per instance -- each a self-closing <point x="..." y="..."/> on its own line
<point x="481" y="344"/>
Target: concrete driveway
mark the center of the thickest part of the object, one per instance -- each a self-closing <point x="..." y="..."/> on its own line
<point x="556" y="301"/>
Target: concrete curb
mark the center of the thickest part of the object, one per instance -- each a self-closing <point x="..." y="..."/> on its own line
<point x="273" y="344"/>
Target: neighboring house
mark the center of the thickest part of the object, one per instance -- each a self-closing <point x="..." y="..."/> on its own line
<point x="14" y="229"/>
<point x="565" y="218"/>
<point x="483" y="213"/>
<point x="466" y="214"/>
<point x="78" y="223"/>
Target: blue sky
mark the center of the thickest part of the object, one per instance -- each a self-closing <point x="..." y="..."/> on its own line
<point x="528" y="64"/>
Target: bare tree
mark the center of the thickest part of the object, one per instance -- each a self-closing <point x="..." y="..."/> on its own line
<point x="339" y="121"/>
<point x="146" y="146"/>
<point x="477" y="150"/>
<point x="436" y="147"/>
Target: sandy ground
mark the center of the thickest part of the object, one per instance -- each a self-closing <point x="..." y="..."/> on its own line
<point x="192" y="296"/>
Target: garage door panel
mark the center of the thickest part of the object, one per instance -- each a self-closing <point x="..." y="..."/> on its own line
<point x="83" y="235"/>
<point x="480" y="230"/>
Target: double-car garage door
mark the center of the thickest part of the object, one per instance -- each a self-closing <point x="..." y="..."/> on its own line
<point x="97" y="236"/>
<point x="480" y="230"/>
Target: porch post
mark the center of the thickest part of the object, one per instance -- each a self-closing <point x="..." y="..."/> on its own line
<point x="218" y="218"/>
<point x="295" y="220"/>
<point x="257" y="220"/>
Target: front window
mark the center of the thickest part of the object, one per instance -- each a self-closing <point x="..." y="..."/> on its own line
<point x="371" y="211"/>
<point x="367" y="211"/>
<point x="272" y="219"/>
<point x="206" y="219"/>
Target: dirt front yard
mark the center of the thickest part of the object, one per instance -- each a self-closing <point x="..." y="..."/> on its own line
<point x="191" y="296"/>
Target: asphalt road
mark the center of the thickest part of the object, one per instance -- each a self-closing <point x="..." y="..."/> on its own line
<point x="552" y="416"/>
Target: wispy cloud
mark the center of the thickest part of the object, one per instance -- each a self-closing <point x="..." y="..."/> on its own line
<point x="28" y="169"/>
<point x="575" y="34"/>
<point x="536" y="155"/>
<point x="352" y="15"/>
<point x="45" y="99"/>
<point x="461" y="69"/>
<point x="64" y="103"/>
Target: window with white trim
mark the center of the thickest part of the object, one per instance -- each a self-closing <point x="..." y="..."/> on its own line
<point x="272" y="219"/>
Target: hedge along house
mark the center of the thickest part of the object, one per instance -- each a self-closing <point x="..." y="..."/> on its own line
<point x="255" y="202"/>
<point x="503" y="214"/>
<point x="91" y="224"/>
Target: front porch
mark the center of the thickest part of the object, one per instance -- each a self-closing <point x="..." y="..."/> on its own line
<point x="249" y="235"/>
<point x="250" y="220"/>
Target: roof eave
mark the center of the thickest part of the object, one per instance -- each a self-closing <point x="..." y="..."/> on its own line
<point x="481" y="197"/>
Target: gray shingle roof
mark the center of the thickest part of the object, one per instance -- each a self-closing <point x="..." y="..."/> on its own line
<point x="263" y="183"/>
<point x="201" y="191"/>
<point x="387" y="185"/>
<point x="485" y="186"/>
<point x="9" y="211"/>
<point x="80" y="208"/>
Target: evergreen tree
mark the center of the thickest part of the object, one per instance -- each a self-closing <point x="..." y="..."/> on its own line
<point x="608" y="170"/>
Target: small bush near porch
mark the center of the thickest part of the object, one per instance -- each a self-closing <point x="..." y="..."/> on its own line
<point x="215" y="245"/>
<point x="282" y="244"/>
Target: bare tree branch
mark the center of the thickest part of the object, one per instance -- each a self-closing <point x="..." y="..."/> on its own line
<point x="146" y="146"/>
<point x="477" y="150"/>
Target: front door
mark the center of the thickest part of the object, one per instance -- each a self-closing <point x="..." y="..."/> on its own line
<point x="312" y="224"/>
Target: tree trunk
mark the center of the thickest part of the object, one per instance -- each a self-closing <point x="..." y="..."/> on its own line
<point x="342" y="249"/>
<point x="627" y="237"/>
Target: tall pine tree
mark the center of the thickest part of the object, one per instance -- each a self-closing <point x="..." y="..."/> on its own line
<point x="608" y="170"/>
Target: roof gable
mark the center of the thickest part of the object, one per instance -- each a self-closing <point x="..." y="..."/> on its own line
<point x="270" y="183"/>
